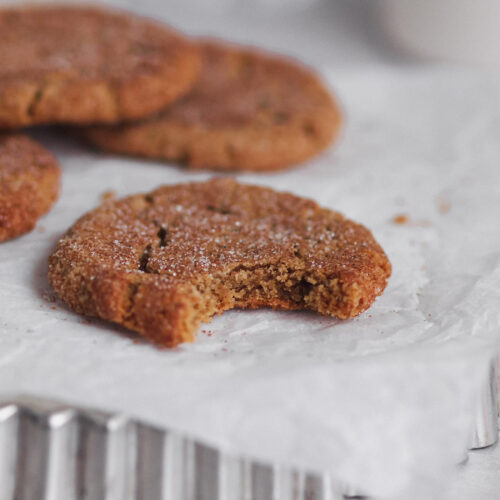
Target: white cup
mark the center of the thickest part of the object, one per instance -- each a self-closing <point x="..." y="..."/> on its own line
<point x="459" y="30"/>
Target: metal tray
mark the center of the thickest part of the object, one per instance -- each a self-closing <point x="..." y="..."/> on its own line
<point x="53" y="451"/>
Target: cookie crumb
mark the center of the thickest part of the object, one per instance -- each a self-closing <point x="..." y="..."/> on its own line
<point x="107" y="195"/>
<point x="404" y="220"/>
<point x="400" y="219"/>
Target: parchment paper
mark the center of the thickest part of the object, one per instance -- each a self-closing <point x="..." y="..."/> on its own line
<point x="383" y="401"/>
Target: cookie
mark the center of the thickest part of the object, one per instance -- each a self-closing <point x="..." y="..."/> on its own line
<point x="162" y="263"/>
<point x="85" y="65"/>
<point x="29" y="184"/>
<point x="247" y="111"/>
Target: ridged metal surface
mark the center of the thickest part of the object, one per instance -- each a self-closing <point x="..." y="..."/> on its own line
<point x="51" y="451"/>
<point x="485" y="432"/>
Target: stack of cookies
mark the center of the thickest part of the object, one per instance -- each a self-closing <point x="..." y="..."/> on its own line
<point x="163" y="262"/>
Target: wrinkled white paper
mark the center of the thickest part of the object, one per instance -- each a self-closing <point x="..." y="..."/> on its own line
<point x="384" y="401"/>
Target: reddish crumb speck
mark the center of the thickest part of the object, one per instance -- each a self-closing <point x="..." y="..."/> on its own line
<point x="403" y="219"/>
<point x="400" y="219"/>
<point x="224" y="349"/>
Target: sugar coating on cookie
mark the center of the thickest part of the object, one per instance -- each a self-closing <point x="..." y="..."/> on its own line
<point x="162" y="263"/>
<point x="248" y="110"/>
<point x="86" y="65"/>
<point x="29" y="184"/>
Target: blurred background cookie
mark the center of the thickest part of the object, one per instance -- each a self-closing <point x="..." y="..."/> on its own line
<point x="29" y="184"/>
<point x="249" y="110"/>
<point x="86" y="65"/>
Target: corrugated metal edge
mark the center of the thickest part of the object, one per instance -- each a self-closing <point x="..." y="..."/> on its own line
<point x="52" y="451"/>
<point x="485" y="431"/>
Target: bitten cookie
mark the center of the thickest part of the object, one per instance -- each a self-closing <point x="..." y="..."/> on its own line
<point x="162" y="263"/>
<point x="29" y="184"/>
<point x="248" y="111"/>
<point x="85" y="65"/>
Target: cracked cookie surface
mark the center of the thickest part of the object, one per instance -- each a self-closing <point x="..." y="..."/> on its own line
<point x="29" y="184"/>
<point x="248" y="110"/>
<point x="162" y="263"/>
<point x="87" y="64"/>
